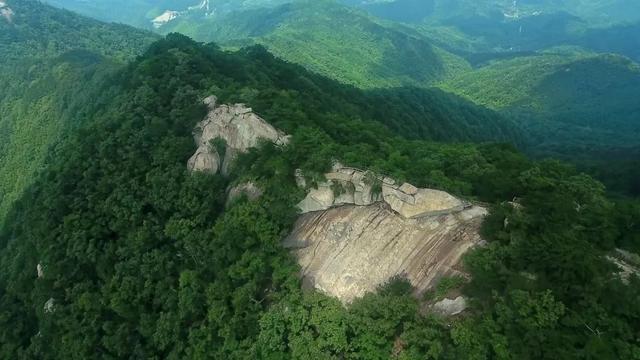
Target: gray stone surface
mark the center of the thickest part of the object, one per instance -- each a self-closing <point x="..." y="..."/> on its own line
<point x="449" y="307"/>
<point x="50" y="306"/>
<point x="6" y="12"/>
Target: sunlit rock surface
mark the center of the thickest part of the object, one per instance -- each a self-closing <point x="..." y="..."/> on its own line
<point x="238" y="127"/>
<point x="349" y="250"/>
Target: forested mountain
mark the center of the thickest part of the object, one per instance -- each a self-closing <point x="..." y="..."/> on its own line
<point x="590" y="94"/>
<point x="332" y="40"/>
<point x="324" y="36"/>
<point x="510" y="56"/>
<point x="52" y="64"/>
<point x="114" y="249"/>
<point x="138" y="257"/>
<point x="598" y="12"/>
<point x="141" y="13"/>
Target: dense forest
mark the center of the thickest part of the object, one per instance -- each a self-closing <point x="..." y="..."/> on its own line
<point x="566" y="71"/>
<point x="52" y="67"/>
<point x="140" y="259"/>
<point x="110" y="248"/>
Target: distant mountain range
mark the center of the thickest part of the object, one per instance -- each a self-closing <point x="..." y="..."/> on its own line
<point x="566" y="70"/>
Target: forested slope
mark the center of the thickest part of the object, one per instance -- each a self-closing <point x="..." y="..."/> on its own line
<point x="52" y="64"/>
<point x="332" y="40"/>
<point x="139" y="259"/>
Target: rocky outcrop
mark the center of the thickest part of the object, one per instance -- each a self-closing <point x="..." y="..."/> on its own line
<point x="40" y="271"/>
<point x="232" y="129"/>
<point x="50" y="306"/>
<point x="5" y="11"/>
<point x="349" y="250"/>
<point x="346" y="185"/>
<point x="627" y="264"/>
<point x="165" y="18"/>
<point x="449" y="307"/>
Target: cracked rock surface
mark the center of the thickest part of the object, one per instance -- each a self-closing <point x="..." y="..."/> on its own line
<point x="350" y="250"/>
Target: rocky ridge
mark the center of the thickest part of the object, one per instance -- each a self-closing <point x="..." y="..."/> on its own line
<point x="359" y="230"/>
<point x="347" y="185"/>
<point x="236" y="129"/>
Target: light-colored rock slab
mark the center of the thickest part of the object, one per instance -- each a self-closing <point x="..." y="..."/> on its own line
<point x="50" y="306"/>
<point x="448" y="307"/>
<point x="318" y="199"/>
<point x="428" y="202"/>
<point x="350" y="250"/>
<point x="408" y="189"/>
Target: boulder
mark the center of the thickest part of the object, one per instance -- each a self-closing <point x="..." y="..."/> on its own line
<point x="448" y="307"/>
<point x="206" y="160"/>
<point x="318" y="199"/>
<point x="50" y="306"/>
<point x="426" y="202"/>
<point x="408" y="189"/>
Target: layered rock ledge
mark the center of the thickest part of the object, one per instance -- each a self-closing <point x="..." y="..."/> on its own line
<point x="347" y="185"/>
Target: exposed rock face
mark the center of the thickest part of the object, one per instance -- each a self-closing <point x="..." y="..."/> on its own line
<point x="625" y="261"/>
<point x="251" y="190"/>
<point x="5" y="11"/>
<point x="350" y="250"/>
<point x="50" y="306"/>
<point x="40" y="271"/>
<point x="448" y="307"/>
<point x="240" y="129"/>
<point x="352" y="186"/>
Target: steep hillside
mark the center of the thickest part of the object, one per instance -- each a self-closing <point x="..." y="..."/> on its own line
<point x="52" y="63"/>
<point x="567" y="98"/>
<point x="332" y="40"/>
<point x="483" y="29"/>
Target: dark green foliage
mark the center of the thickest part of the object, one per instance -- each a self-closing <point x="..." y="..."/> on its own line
<point x="142" y="260"/>
<point x="54" y="70"/>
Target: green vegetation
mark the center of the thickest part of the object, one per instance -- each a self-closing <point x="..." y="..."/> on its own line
<point x="332" y="40"/>
<point x="141" y="260"/>
<point x="53" y="67"/>
<point x="445" y="285"/>
<point x="112" y="249"/>
<point x="574" y="105"/>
